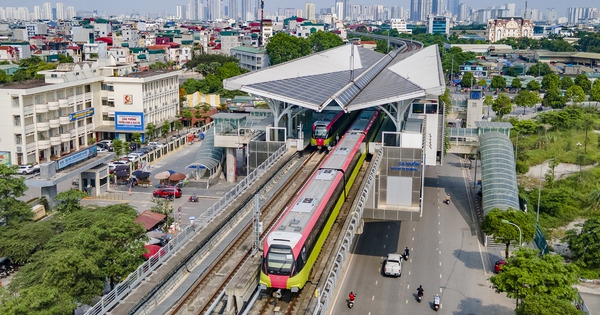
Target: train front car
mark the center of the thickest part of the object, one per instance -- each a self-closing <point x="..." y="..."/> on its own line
<point x="292" y="247"/>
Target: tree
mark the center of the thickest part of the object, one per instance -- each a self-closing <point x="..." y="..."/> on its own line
<point x="488" y="100"/>
<point x="482" y="83"/>
<point x="545" y="304"/>
<point x="554" y="99"/>
<point x="136" y="138"/>
<point x="516" y="83"/>
<point x="595" y="92"/>
<point x="468" y="80"/>
<point x="283" y="47"/>
<point x="4" y="78"/>
<point x="533" y="85"/>
<point x="502" y="105"/>
<point x="178" y="125"/>
<point x="585" y="245"/>
<point x="583" y="81"/>
<point x="151" y="131"/>
<point x="69" y="201"/>
<point x="511" y="72"/>
<point x="498" y="82"/>
<point x="550" y="81"/>
<point x="566" y="82"/>
<point x="187" y="115"/>
<point x="21" y="241"/>
<point x="118" y="146"/>
<point x="320" y="41"/>
<point x="165" y="128"/>
<point x="12" y="210"/>
<point x="506" y="233"/>
<point x="163" y="206"/>
<point x="37" y="300"/>
<point x="65" y="58"/>
<point x="575" y="94"/>
<point x="527" y="99"/>
<point x="229" y="70"/>
<point x="539" y="69"/>
<point x="529" y="274"/>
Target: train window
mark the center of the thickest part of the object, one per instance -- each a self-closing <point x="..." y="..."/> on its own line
<point x="418" y="108"/>
<point x="280" y="260"/>
<point x="431" y="109"/>
<point x="321" y="132"/>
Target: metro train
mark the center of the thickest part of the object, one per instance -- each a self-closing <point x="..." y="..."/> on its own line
<point x="328" y="125"/>
<point x="292" y="247"/>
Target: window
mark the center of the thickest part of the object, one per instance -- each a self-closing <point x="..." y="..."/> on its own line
<point x="15" y="101"/>
<point x="88" y="88"/>
<point x="18" y="139"/>
<point x="78" y="90"/>
<point x="17" y="120"/>
<point x="107" y="118"/>
<point x="106" y="87"/>
<point x="76" y="73"/>
<point x="54" y="75"/>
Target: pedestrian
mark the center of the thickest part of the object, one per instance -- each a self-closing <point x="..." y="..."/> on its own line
<point x="406" y="252"/>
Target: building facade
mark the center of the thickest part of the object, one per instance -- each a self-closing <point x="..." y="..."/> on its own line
<point x="438" y="24"/>
<point x="508" y="27"/>
<point x="251" y="58"/>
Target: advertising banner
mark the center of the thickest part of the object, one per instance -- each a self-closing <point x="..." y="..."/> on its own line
<point x="81" y="114"/>
<point x="129" y="121"/>
<point x="77" y="157"/>
<point x="5" y="158"/>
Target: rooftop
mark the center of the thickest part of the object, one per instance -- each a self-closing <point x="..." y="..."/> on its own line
<point x="24" y="84"/>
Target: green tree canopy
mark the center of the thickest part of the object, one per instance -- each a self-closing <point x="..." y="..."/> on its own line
<point x="566" y="82"/>
<point x="69" y="201"/>
<point x="550" y="81"/>
<point x="37" y="300"/>
<point x="511" y="72"/>
<point x="554" y="99"/>
<point x="533" y="85"/>
<point x="502" y="105"/>
<point x="529" y="274"/>
<point x="208" y="59"/>
<point x="498" y="82"/>
<point x="583" y="81"/>
<point x="545" y="304"/>
<point x="118" y="146"/>
<point x="165" y="128"/>
<point x="516" y="83"/>
<point x="575" y="94"/>
<point x="453" y="58"/>
<point x="539" y="69"/>
<point x="468" y="80"/>
<point x="283" y="47"/>
<point x="526" y="98"/>
<point x="506" y="233"/>
<point x="19" y="242"/>
<point x="320" y="41"/>
<point x="12" y="210"/>
<point x="595" y="92"/>
<point x="585" y="245"/>
<point x="150" y="131"/>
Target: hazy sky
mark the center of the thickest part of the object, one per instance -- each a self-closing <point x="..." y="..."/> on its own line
<point x="157" y="6"/>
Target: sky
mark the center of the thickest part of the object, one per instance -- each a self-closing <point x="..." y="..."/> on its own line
<point x="113" y="7"/>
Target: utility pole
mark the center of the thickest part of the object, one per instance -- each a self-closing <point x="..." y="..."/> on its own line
<point x="261" y="12"/>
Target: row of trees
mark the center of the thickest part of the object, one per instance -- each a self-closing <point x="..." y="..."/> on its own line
<point x="67" y="258"/>
<point x="588" y="42"/>
<point x="29" y="67"/>
<point x="214" y="70"/>
<point x="283" y="47"/>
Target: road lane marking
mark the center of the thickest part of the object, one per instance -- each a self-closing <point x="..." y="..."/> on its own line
<point x="376" y="282"/>
<point x="409" y="273"/>
<point x="373" y="298"/>
<point x="384" y="246"/>
<point x="440" y="252"/>
<point x="413" y="238"/>
<point x="386" y="236"/>
<point x="440" y="263"/>
<point x="440" y="276"/>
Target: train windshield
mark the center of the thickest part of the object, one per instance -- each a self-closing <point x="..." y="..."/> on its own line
<point x="280" y="260"/>
<point x="320" y="132"/>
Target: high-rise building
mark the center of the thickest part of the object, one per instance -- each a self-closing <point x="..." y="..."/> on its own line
<point x="463" y="12"/>
<point x="233" y="10"/>
<point x="247" y="11"/>
<point x="346" y="11"/>
<point x="425" y="8"/>
<point x="181" y="12"/>
<point x="47" y="11"/>
<point x="310" y="11"/>
<point x="71" y="12"/>
<point x="438" y="24"/>
<point x="339" y="10"/>
<point x="454" y="6"/>
<point x="437" y="7"/>
<point x="60" y="11"/>
<point x="37" y="12"/>
<point x="414" y="10"/>
<point x="578" y="15"/>
<point x="551" y="15"/>
<point x="511" y="9"/>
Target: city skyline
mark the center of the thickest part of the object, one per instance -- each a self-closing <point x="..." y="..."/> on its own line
<point x="114" y="7"/>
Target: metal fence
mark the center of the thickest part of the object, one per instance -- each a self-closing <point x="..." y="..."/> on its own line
<point x="328" y="288"/>
<point x="112" y="298"/>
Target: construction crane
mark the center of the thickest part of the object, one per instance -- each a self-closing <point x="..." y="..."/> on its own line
<point x="262" y="10"/>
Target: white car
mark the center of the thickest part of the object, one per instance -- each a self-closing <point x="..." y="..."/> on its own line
<point x="113" y="164"/>
<point x="106" y="142"/>
<point x="25" y="169"/>
<point x="156" y="145"/>
<point x="393" y="265"/>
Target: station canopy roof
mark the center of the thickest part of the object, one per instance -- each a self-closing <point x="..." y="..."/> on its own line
<point x="208" y="156"/>
<point x="324" y="78"/>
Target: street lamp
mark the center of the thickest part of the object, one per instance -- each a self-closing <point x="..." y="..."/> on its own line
<point x="520" y="234"/>
<point x="537" y="220"/>
<point x="579" y="158"/>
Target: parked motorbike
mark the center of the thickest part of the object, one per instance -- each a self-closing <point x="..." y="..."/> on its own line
<point x="170" y="197"/>
<point x="193" y="199"/>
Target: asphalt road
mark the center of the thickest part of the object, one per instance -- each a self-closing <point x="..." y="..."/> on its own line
<point x="446" y="258"/>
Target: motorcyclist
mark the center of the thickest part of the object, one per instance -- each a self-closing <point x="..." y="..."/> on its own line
<point x="406" y="252"/>
<point x="448" y="198"/>
<point x="194" y="198"/>
<point x="351" y="297"/>
<point x="436" y="300"/>
<point x="420" y="290"/>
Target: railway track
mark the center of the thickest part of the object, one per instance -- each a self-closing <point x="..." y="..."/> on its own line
<point x="299" y="303"/>
<point x="207" y="289"/>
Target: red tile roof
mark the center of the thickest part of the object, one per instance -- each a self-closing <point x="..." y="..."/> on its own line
<point x="149" y="219"/>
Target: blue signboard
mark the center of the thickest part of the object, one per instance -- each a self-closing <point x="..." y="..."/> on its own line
<point x="77" y="157"/>
<point x="412" y="166"/>
<point x="81" y="114"/>
<point x="129" y="121"/>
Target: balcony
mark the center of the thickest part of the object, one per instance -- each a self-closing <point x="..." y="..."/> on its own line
<point x="82" y="130"/>
<point x="29" y="129"/>
<point x="43" y="126"/>
<point x="53" y="105"/>
<point x="54" y="123"/>
<point x="43" y="144"/>
<point x="70" y="101"/>
<point x="30" y="148"/>
<point x="73" y="133"/>
<point x="65" y="137"/>
<point x="64" y="103"/>
<point x="56" y="140"/>
<point x="41" y="108"/>
<point x="64" y="120"/>
<point x="28" y="110"/>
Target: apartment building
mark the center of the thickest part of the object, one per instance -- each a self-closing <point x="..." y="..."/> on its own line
<point x="251" y="58"/>
<point x="77" y="104"/>
<point x="501" y="28"/>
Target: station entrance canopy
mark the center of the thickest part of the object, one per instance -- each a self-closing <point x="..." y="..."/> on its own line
<point x="349" y="76"/>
